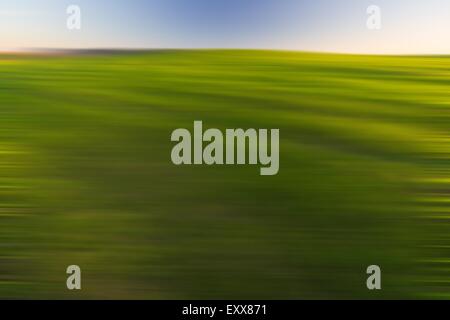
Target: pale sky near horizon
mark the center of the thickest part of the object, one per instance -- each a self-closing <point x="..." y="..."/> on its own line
<point x="408" y="26"/>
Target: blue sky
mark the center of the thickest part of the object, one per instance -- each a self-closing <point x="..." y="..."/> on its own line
<point x="408" y="26"/>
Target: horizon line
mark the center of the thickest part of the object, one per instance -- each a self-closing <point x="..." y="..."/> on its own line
<point x="118" y="50"/>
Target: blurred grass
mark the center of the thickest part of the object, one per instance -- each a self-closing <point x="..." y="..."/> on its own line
<point x="86" y="176"/>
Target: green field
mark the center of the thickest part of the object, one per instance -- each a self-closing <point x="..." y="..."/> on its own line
<point x="86" y="176"/>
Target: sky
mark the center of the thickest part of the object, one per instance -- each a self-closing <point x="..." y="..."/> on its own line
<point x="407" y="26"/>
